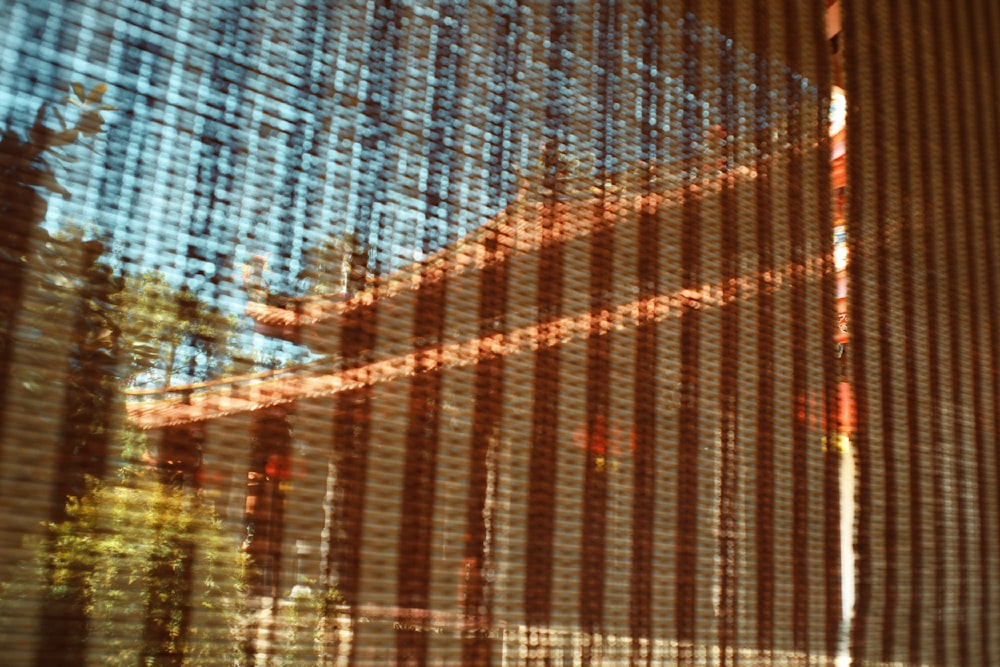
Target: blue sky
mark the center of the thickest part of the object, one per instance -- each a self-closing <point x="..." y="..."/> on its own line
<point x="260" y="131"/>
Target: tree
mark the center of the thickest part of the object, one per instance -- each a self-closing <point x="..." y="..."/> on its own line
<point x="126" y="561"/>
<point x="95" y="559"/>
<point x="91" y="551"/>
<point x="125" y="554"/>
<point x="137" y="548"/>
<point x="171" y="333"/>
<point x="91" y="393"/>
<point x="28" y="166"/>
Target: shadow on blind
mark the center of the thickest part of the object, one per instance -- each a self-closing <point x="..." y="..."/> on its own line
<point x="441" y="332"/>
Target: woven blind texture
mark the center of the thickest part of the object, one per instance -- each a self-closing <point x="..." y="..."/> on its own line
<point x="443" y="332"/>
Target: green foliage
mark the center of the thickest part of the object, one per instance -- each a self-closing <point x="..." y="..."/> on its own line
<point x="28" y="168"/>
<point x="299" y="629"/>
<point x="130" y="567"/>
<point x="305" y="626"/>
<point x="144" y="571"/>
<point x="30" y="161"/>
<point x="169" y="333"/>
<point x="154" y="571"/>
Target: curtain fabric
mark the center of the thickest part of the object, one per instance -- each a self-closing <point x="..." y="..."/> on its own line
<point x="446" y="332"/>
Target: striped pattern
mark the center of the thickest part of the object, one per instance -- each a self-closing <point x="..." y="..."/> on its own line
<point x="922" y="202"/>
<point x="607" y="426"/>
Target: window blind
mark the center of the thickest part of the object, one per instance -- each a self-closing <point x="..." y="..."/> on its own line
<point x="436" y="332"/>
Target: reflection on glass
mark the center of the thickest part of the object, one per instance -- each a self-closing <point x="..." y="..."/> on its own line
<point x="445" y="332"/>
